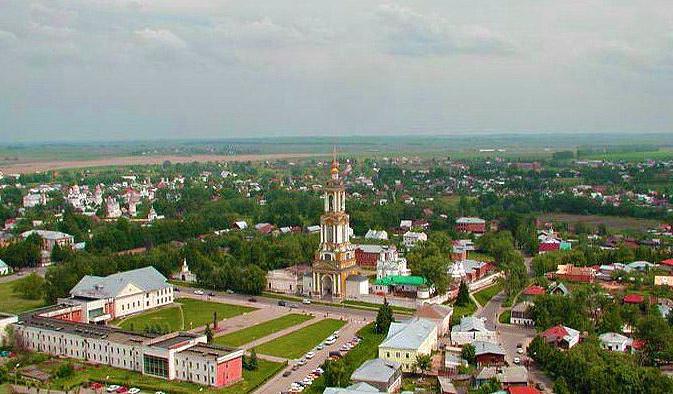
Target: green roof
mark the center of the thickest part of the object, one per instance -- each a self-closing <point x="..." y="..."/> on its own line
<point x="401" y="280"/>
<point x="565" y="245"/>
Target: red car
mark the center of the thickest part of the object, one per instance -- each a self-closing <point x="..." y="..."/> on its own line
<point x="122" y="389"/>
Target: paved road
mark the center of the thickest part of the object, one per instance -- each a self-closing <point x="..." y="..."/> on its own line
<point x="279" y="383"/>
<point x="23" y="273"/>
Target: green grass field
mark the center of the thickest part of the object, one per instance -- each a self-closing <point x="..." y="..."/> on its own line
<point x="107" y="375"/>
<point x="261" y="330"/>
<point x="13" y="303"/>
<point x="396" y="309"/>
<point x="480" y="256"/>
<point x="485" y="295"/>
<point x="296" y="344"/>
<point x="186" y="314"/>
<point x="459" y="311"/>
<point x="504" y="316"/>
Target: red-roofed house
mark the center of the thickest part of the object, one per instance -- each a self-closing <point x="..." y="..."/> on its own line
<point x="534" y="290"/>
<point x="522" y="390"/>
<point x="634" y="299"/>
<point x="561" y="336"/>
<point x="545" y="247"/>
<point x="575" y="274"/>
<point x="667" y="262"/>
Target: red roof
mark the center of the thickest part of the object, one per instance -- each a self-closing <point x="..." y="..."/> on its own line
<point x="634" y="299"/>
<point x="548" y="246"/>
<point x="534" y="290"/>
<point x="522" y="390"/>
<point x="668" y="262"/>
<point x="555" y="332"/>
<point x="638" y="344"/>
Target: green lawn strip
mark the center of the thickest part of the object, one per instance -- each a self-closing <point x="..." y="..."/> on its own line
<point x="485" y="295"/>
<point x="504" y="316"/>
<point x="14" y="303"/>
<point x="107" y="375"/>
<point x="459" y="311"/>
<point x="480" y="257"/>
<point x="365" y="350"/>
<point x="397" y="309"/>
<point x="196" y="313"/>
<point x="297" y="343"/>
<point x="241" y="337"/>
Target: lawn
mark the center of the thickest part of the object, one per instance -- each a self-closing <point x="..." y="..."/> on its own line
<point x="485" y="295"/>
<point x="296" y="344"/>
<point x="504" y="316"/>
<point x="396" y="309"/>
<point x="249" y="334"/>
<point x="13" y="303"/>
<point x="459" y="311"/>
<point x="186" y="314"/>
<point x="251" y="379"/>
<point x="480" y="257"/>
<point x="365" y="350"/>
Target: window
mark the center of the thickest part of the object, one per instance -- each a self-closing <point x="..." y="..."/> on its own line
<point x="156" y="366"/>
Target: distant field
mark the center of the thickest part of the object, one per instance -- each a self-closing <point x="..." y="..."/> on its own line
<point x="661" y="154"/>
<point x="261" y="330"/>
<point x="186" y="314"/>
<point x="612" y="222"/>
<point x="297" y="343"/>
<point x="12" y="303"/>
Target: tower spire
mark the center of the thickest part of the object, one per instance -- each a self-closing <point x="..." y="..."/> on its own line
<point x="335" y="165"/>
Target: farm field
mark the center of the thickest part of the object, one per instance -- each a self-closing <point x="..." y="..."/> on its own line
<point x="241" y="337"/>
<point x="186" y="314"/>
<point x="297" y="343"/>
<point x="612" y="222"/>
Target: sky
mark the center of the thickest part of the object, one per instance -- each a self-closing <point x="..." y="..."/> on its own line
<point x="145" y="69"/>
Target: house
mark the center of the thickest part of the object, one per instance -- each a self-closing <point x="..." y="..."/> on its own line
<point x="406" y="340"/>
<point x="356" y="388"/>
<point x="356" y="286"/>
<point x="468" y="270"/>
<point x="561" y="336"/>
<point x="488" y="353"/>
<point x="385" y="375"/>
<point x="470" y="225"/>
<point x="452" y="361"/>
<point x="5" y="320"/>
<point x="390" y="263"/>
<point x="4" y="268"/>
<point x="615" y="342"/>
<point x="635" y="299"/>
<point x="661" y="280"/>
<point x="559" y="289"/>
<point x="522" y="390"/>
<point x="521" y="314"/>
<point x="175" y="356"/>
<point x="409" y="286"/>
<point x="411" y="238"/>
<point x="51" y="239"/>
<point x="380" y="235"/>
<point x="534" y="290"/>
<point x="265" y="228"/>
<point x="514" y="376"/>
<point x="286" y="280"/>
<point x="471" y="329"/>
<point x="99" y="299"/>
<point x="6" y="239"/>
<point x="572" y="273"/>
<point x="240" y="225"/>
<point x="439" y="314"/>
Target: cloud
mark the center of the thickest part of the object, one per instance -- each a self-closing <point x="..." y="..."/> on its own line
<point x="7" y="37"/>
<point x="415" y="34"/>
<point x="266" y="33"/>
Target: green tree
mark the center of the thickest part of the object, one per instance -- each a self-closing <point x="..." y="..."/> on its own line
<point x="209" y="333"/>
<point x="336" y="374"/>
<point x="384" y="318"/>
<point x="463" y="298"/>
<point x="423" y="363"/>
<point x="469" y="353"/>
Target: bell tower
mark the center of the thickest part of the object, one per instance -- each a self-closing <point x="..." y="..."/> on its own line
<point x="335" y="258"/>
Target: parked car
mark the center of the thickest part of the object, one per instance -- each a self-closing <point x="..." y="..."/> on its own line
<point x="112" y="388"/>
<point x="134" y="390"/>
<point x="293" y="306"/>
<point x="305" y="301"/>
<point x="122" y="390"/>
<point x="199" y="292"/>
<point x="252" y="299"/>
<point x="517" y="360"/>
<point x="282" y="303"/>
<point x="211" y="293"/>
<point x="176" y="289"/>
<point x="287" y="373"/>
<point x="309" y="355"/>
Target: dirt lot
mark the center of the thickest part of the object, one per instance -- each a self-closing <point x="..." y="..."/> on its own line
<point x="613" y="222"/>
<point x="29" y="167"/>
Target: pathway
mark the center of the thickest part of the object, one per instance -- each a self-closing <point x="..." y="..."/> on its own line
<point x="280" y="333"/>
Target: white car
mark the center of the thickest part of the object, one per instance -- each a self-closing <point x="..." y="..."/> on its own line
<point x="112" y="388"/>
<point x="517" y="360"/>
<point x="306" y="301"/>
<point x="519" y="350"/>
<point x="309" y="355"/>
<point x="199" y="292"/>
<point x="134" y="390"/>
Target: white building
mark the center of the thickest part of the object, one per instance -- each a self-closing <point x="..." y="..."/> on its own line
<point x="411" y="238"/>
<point x="5" y="320"/>
<point x="406" y="340"/>
<point x="185" y="274"/>
<point x="356" y="286"/>
<point x="121" y="294"/>
<point x="615" y="342"/>
<point x="380" y="235"/>
<point x="112" y="208"/>
<point x="471" y="329"/>
<point x="390" y="263"/>
<point x="4" y="268"/>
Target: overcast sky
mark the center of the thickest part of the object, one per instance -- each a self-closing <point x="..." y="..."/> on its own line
<point x="130" y="69"/>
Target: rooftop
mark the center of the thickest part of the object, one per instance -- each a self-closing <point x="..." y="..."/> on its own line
<point x="398" y="280"/>
<point x="146" y="279"/>
<point x="409" y="334"/>
<point x="376" y="370"/>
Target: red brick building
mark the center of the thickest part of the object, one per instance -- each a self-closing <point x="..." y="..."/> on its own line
<point x="471" y="225"/>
